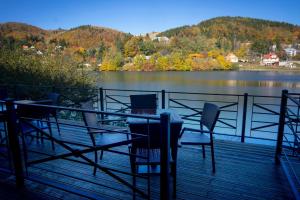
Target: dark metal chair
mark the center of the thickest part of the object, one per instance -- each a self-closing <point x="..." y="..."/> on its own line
<point x="145" y="103"/>
<point x="32" y="116"/>
<point x="102" y="135"/>
<point x="3" y="129"/>
<point x="200" y="136"/>
<point x="55" y="97"/>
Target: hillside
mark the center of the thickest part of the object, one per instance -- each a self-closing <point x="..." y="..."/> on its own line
<point x="239" y="28"/>
<point x="90" y="36"/>
<point x="21" y="31"/>
<point x="204" y="46"/>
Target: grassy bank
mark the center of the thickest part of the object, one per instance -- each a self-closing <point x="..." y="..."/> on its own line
<point x="269" y="68"/>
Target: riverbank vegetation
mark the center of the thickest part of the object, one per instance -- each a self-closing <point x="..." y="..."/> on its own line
<point x="22" y="68"/>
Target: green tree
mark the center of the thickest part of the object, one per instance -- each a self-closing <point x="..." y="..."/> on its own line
<point x="147" y="47"/>
<point x="112" y="61"/>
<point x="131" y="47"/>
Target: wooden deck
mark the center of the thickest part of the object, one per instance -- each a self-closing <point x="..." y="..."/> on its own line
<point x="243" y="171"/>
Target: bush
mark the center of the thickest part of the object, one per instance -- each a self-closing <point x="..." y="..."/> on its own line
<point x="18" y="67"/>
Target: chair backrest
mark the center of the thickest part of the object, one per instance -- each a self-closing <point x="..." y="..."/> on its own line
<point x="143" y="102"/>
<point x="210" y="115"/>
<point x="90" y="119"/>
<point x="54" y="97"/>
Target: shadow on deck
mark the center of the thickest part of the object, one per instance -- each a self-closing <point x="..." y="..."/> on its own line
<point x="243" y="171"/>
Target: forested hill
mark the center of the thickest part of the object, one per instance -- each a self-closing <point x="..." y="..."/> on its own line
<point x="86" y="36"/>
<point x="91" y="36"/>
<point x="21" y="31"/>
<point x="239" y="28"/>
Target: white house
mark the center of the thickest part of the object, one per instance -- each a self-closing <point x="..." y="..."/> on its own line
<point x="232" y="58"/>
<point x="270" y="59"/>
<point x="39" y="53"/>
<point x="290" y="52"/>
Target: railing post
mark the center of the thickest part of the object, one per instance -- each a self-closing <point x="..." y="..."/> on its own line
<point x="165" y="157"/>
<point x="14" y="142"/>
<point x="101" y="102"/>
<point x="163" y="99"/>
<point x="280" y="134"/>
<point x="245" y="105"/>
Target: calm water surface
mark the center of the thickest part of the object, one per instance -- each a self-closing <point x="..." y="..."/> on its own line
<point x="235" y="82"/>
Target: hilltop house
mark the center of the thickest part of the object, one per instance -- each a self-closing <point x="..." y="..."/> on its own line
<point x="270" y="59"/>
<point x="232" y="58"/>
<point x="290" y="52"/>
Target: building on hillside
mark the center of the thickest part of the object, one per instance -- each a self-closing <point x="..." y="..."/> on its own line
<point x="270" y="59"/>
<point x="162" y="39"/>
<point x="232" y="58"/>
<point x="290" y="52"/>
<point x="25" y="47"/>
<point x="87" y="65"/>
<point x="287" y="64"/>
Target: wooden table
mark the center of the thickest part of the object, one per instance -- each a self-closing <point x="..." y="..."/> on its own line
<point x="152" y="128"/>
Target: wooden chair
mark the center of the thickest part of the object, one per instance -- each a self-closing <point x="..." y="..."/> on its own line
<point x="102" y="135"/>
<point x="145" y="103"/>
<point x="200" y="136"/>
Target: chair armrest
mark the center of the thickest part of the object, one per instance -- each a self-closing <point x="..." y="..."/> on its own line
<point x="192" y="129"/>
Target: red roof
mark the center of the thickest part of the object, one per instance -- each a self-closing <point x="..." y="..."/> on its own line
<point x="270" y="56"/>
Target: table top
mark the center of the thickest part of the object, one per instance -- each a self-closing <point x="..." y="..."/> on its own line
<point x="174" y="117"/>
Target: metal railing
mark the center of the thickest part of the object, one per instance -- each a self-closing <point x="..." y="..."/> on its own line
<point x="77" y="152"/>
<point x="287" y="148"/>
<point x="244" y="117"/>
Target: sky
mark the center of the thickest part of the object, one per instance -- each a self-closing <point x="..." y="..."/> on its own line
<point x="141" y="16"/>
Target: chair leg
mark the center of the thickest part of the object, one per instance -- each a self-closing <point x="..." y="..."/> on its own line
<point x="213" y="158"/>
<point x="96" y="161"/>
<point x="25" y="153"/>
<point x="57" y="125"/>
<point x="50" y="131"/>
<point x="203" y="151"/>
<point x="174" y="174"/>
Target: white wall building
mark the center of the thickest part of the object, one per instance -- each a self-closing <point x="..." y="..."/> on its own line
<point x="290" y="52"/>
<point x="232" y="58"/>
<point x="270" y="59"/>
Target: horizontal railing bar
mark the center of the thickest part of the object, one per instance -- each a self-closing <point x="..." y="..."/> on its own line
<point x="202" y="100"/>
<point x="92" y="111"/>
<point x="202" y="93"/>
<point x="263" y="113"/>
<point x="126" y="90"/>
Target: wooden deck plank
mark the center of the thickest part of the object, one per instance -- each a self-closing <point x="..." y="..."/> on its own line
<point x="243" y="171"/>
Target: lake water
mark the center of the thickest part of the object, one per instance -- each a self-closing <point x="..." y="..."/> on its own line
<point x="233" y="82"/>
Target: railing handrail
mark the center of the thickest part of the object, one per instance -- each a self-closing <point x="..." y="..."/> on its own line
<point x="139" y="90"/>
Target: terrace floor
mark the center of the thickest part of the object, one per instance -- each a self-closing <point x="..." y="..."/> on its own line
<point x="243" y="171"/>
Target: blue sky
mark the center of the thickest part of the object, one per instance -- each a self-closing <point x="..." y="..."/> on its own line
<point x="138" y="16"/>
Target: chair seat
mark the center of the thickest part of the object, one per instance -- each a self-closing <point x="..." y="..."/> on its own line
<point x="111" y="139"/>
<point x="194" y="138"/>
